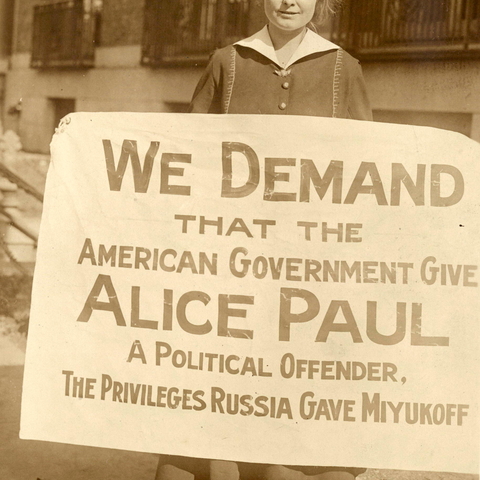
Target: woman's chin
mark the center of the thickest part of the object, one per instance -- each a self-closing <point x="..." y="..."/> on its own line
<point x="288" y="26"/>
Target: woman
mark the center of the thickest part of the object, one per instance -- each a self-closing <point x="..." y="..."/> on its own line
<point x="286" y="69"/>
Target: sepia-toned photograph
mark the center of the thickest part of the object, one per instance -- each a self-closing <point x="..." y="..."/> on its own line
<point x="239" y="239"/>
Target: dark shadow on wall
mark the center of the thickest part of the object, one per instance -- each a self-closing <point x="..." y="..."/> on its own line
<point x="457" y="122"/>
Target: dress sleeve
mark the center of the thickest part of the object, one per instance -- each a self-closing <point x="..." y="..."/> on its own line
<point x="207" y="95"/>
<point x="358" y="102"/>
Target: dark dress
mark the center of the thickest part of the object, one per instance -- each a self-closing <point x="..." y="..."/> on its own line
<point x="240" y="79"/>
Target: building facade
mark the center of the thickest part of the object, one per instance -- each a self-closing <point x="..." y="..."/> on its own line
<point x="6" y="29"/>
<point x="111" y="55"/>
<point x="421" y="59"/>
<point x="147" y="55"/>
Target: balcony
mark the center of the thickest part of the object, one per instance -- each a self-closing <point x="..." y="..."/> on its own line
<point x="64" y="35"/>
<point x="186" y="32"/>
<point x="409" y="29"/>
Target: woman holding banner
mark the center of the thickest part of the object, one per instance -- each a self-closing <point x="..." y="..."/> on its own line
<point x="285" y="68"/>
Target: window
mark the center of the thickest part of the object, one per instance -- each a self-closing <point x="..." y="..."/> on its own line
<point x="60" y="108"/>
<point x="187" y="31"/>
<point x="396" y="28"/>
<point x="65" y="34"/>
<point x="6" y="28"/>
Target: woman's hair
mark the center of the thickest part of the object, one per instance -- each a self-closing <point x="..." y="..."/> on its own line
<point x="324" y="9"/>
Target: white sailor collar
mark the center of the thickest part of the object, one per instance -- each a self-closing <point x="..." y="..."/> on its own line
<point x="311" y="43"/>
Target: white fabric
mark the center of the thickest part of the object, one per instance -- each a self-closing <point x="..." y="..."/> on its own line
<point x="311" y="43"/>
<point x="341" y="326"/>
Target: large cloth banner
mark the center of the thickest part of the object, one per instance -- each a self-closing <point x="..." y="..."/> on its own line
<point x="296" y="290"/>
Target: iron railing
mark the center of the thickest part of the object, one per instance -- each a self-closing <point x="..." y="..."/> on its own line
<point x="64" y="35"/>
<point x="187" y="31"/>
<point x="9" y="216"/>
<point x="386" y="29"/>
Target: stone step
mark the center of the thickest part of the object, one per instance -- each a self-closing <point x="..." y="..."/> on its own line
<point x="10" y="354"/>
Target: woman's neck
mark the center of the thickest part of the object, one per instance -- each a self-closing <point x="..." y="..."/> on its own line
<point x="285" y="42"/>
